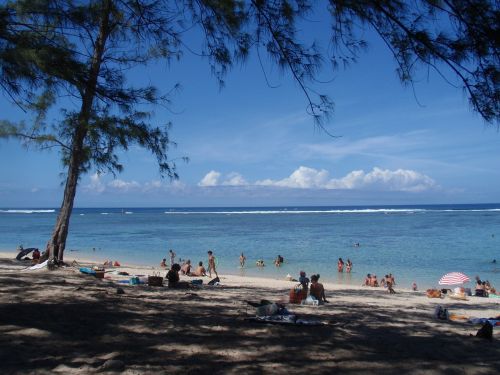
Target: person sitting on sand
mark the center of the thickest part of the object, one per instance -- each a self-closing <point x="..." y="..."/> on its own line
<point x="200" y="270"/>
<point x="186" y="267"/>
<point x="383" y="281"/>
<point x="163" y="263"/>
<point x="36" y="256"/>
<point x="367" y="280"/>
<point x="173" y="277"/>
<point x="390" y="289"/>
<point x="317" y="290"/>
<point x="480" y="288"/>
<point x="393" y="280"/>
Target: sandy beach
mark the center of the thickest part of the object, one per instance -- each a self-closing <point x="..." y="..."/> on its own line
<point x="67" y="322"/>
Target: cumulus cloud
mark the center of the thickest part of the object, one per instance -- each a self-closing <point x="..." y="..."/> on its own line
<point x="95" y="184"/>
<point x="303" y="177"/>
<point x="234" y="179"/>
<point x="124" y="185"/>
<point x="210" y="179"/>
<point x="309" y="178"/>
<point x="98" y="186"/>
<point x="384" y="179"/>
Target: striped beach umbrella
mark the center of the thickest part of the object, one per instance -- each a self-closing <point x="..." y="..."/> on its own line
<point x="453" y="278"/>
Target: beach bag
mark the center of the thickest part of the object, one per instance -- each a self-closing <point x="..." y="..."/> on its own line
<point x="486" y="331"/>
<point x="310" y="300"/>
<point x="440" y="313"/>
<point x="213" y="281"/>
<point x="134" y="281"/>
<point x="267" y="310"/>
<point x="297" y="294"/>
<point x="155" y="280"/>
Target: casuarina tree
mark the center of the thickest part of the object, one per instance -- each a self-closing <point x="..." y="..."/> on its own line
<point x="75" y="55"/>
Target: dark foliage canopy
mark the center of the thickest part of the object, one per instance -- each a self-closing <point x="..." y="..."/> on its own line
<point x="76" y="54"/>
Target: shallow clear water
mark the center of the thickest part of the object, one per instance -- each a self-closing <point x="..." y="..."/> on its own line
<point x="418" y="243"/>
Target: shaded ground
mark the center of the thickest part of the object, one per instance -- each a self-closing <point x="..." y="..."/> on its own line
<point x="65" y="322"/>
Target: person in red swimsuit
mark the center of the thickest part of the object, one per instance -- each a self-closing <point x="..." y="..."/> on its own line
<point x="340" y="265"/>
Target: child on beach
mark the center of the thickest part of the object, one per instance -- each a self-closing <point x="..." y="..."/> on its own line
<point x="211" y="264"/>
<point x="163" y="263"/>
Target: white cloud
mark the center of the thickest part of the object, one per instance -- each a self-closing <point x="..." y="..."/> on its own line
<point x="98" y="186"/>
<point x="124" y="185"/>
<point x="234" y="179"/>
<point x="95" y="185"/>
<point x="210" y="179"/>
<point x="309" y="178"/>
<point x="384" y="179"/>
<point x="303" y="177"/>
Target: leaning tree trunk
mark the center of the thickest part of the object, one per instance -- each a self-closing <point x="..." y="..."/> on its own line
<point x="57" y="243"/>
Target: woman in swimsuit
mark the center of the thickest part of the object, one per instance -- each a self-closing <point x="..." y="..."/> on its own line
<point x="340" y="265"/>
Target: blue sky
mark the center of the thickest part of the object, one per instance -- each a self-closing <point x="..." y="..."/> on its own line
<point x="252" y="145"/>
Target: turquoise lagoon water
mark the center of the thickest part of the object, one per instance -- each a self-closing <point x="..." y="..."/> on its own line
<point x="415" y="243"/>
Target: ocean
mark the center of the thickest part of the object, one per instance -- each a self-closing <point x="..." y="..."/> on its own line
<point x="414" y="243"/>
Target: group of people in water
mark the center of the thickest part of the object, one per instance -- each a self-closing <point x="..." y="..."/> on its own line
<point x="341" y="264"/>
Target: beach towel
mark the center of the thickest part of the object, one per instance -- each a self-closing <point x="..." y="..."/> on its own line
<point x="493" y="321"/>
<point x="86" y="270"/>
<point x="285" y="320"/>
<point x="39" y="265"/>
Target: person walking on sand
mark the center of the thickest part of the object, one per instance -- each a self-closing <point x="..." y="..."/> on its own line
<point x="340" y="265"/>
<point x="172" y="257"/>
<point x="242" y="260"/>
<point x="211" y="264"/>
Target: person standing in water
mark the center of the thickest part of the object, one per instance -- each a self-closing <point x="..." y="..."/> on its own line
<point x="211" y="264"/>
<point x="340" y="265"/>
<point x="348" y="267"/>
<point x="242" y="260"/>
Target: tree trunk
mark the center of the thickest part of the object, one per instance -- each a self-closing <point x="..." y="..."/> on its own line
<point x="56" y="245"/>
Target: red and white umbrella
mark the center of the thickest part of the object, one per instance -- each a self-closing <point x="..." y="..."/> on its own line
<point x="453" y="278"/>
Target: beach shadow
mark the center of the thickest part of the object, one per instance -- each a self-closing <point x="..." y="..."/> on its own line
<point x="58" y="320"/>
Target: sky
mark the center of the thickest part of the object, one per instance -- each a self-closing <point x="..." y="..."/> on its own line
<point x="250" y="144"/>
